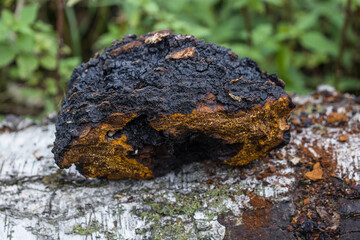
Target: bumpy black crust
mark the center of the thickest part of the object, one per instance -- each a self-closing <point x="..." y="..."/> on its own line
<point x="144" y="81"/>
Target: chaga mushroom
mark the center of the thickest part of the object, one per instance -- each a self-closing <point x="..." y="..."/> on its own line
<point x="150" y="104"/>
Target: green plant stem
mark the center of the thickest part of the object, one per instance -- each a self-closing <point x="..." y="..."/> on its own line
<point x="19" y="6"/>
<point x="3" y="80"/>
<point x="338" y="71"/>
<point x="88" y="226"/>
<point x="74" y="31"/>
<point x="288" y="11"/>
<point x="247" y="23"/>
<point x="102" y="17"/>
<point x="59" y="30"/>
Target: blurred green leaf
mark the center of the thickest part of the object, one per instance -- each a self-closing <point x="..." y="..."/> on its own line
<point x="349" y="84"/>
<point x="283" y="60"/>
<point x="107" y="38"/>
<point x="262" y="33"/>
<point x="23" y="28"/>
<point x="28" y="14"/>
<point x="35" y="79"/>
<point x="45" y="43"/>
<point x="315" y="59"/>
<point x="74" y="31"/>
<point x="256" y="5"/>
<point x="50" y="105"/>
<point x="317" y="42"/>
<point x="7" y="17"/>
<point x="241" y="3"/>
<point x="71" y="3"/>
<point x="4" y="31"/>
<point x="51" y="87"/>
<point x="7" y="55"/>
<point x="13" y="72"/>
<point x="306" y="21"/>
<point x="48" y="62"/>
<point x="275" y="2"/>
<point x="103" y="3"/>
<point x="27" y="64"/>
<point x="151" y="7"/>
<point x="42" y="27"/>
<point x="25" y="43"/>
<point x="66" y="68"/>
<point x="35" y="94"/>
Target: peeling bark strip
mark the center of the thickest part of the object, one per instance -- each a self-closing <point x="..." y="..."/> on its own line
<point x="150" y="104"/>
<point x="125" y="48"/>
<point x="185" y="53"/>
<point x="156" y="37"/>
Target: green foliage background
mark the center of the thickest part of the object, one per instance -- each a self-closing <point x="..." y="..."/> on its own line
<point x="306" y="42"/>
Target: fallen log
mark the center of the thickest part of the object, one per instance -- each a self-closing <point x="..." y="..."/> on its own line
<point x="272" y="198"/>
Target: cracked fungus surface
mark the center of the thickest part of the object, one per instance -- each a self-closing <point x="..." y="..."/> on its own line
<point x="152" y="103"/>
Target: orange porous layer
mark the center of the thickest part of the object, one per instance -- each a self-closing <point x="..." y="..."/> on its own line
<point x="259" y="130"/>
<point x="101" y="157"/>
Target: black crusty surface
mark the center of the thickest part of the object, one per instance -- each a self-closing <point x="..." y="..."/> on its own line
<point x="143" y="81"/>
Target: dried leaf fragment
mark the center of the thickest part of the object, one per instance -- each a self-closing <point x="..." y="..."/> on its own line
<point x="157" y="37"/>
<point x="184" y="53"/>
<point x="125" y="48"/>
<point x="315" y="174"/>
